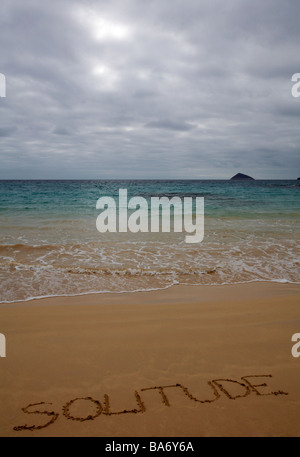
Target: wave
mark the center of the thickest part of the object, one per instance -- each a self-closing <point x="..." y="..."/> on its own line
<point x="13" y="265"/>
<point x="92" y="292"/>
<point x="29" y="271"/>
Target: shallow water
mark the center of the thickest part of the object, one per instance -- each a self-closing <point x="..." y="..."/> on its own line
<point x="49" y="244"/>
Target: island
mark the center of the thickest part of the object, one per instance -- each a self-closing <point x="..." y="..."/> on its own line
<point x="241" y="176"/>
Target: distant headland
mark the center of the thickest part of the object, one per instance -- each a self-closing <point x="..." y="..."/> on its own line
<point x="241" y="176"/>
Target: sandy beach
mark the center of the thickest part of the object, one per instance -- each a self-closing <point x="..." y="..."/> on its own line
<point x="149" y="221"/>
<point x="185" y="361"/>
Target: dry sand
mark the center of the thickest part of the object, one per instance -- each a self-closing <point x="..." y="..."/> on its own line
<point x="105" y="358"/>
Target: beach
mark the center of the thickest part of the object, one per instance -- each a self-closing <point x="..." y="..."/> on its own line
<point x="121" y="334"/>
<point x="180" y="362"/>
<point x="149" y="221"/>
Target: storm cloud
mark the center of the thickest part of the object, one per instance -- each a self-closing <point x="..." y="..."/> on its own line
<point x="157" y="89"/>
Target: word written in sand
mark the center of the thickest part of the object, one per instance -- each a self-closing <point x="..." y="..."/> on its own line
<point x="296" y="347"/>
<point x="217" y="386"/>
<point x="2" y="345"/>
<point x="160" y="215"/>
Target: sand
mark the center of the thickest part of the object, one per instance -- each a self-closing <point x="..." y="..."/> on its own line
<point x="174" y="363"/>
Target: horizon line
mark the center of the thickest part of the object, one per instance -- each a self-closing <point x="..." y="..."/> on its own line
<point x="147" y="179"/>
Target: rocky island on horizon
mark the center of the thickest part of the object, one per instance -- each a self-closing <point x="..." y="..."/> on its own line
<point x="241" y="176"/>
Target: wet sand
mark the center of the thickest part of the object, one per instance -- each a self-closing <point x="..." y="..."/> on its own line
<point x="186" y="361"/>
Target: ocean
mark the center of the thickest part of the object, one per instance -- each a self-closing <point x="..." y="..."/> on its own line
<point x="50" y="246"/>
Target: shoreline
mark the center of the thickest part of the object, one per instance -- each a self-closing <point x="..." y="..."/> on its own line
<point x="183" y="361"/>
<point x="31" y="300"/>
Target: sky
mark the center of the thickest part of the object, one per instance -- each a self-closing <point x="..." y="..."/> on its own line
<point x="156" y="89"/>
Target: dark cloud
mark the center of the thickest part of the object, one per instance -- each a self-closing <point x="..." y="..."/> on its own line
<point x="119" y="88"/>
<point x="7" y="131"/>
<point x="169" y="125"/>
<point x="61" y="131"/>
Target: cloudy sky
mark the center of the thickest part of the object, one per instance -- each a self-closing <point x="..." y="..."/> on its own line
<point x="149" y="89"/>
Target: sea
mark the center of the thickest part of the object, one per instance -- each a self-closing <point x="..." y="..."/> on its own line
<point x="50" y="245"/>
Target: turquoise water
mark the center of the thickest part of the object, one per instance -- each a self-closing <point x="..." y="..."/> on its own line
<point x="49" y="244"/>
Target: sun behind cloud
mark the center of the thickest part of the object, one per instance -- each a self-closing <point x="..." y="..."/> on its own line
<point x="102" y="28"/>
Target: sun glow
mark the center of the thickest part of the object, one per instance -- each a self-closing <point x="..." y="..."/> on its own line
<point x="107" y="77"/>
<point x="101" y="28"/>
